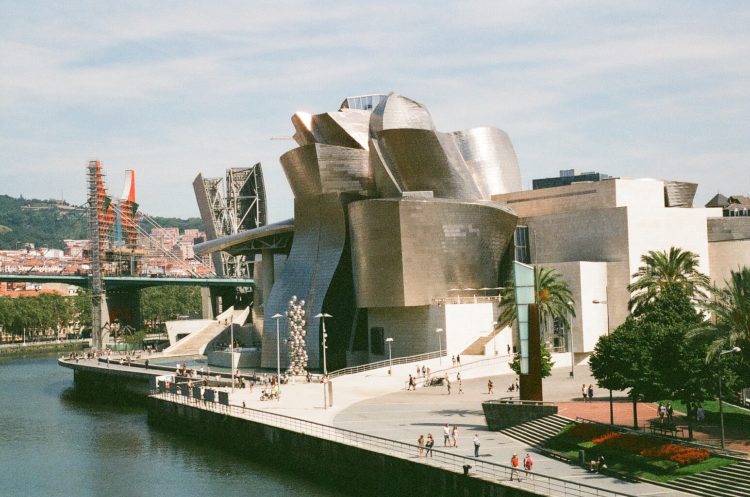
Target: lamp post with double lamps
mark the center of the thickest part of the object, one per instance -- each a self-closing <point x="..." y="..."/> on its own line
<point x="440" y="345"/>
<point x="231" y="351"/>
<point x="322" y="316"/>
<point x="721" y="373"/>
<point x="389" y="341"/>
<point x="278" y="316"/>
<point x="611" y="409"/>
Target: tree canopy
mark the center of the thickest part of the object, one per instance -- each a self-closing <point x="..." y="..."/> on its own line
<point x="662" y="270"/>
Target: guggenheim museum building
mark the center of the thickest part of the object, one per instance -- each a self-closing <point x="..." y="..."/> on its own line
<point x="405" y="232"/>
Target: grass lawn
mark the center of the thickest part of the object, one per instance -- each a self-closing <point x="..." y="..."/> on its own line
<point x="712" y="406"/>
<point x="707" y="465"/>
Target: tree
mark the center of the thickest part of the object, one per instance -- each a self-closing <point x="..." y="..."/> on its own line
<point x="620" y="361"/>
<point x="547" y="363"/>
<point x="650" y="356"/>
<point x="730" y="313"/>
<point x="159" y="304"/>
<point x="553" y="296"/>
<point x="662" y="270"/>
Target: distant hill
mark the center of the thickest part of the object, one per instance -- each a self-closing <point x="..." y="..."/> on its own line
<point x="49" y="222"/>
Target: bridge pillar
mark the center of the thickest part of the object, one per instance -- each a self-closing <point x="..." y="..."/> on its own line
<point x="125" y="306"/>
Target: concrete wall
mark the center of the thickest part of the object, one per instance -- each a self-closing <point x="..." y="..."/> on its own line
<point x="587" y="282"/>
<point x="465" y="323"/>
<point x="357" y="470"/>
<point x="727" y="256"/>
<point x="502" y="414"/>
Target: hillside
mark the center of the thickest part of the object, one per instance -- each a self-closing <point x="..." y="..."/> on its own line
<point x="49" y="222"/>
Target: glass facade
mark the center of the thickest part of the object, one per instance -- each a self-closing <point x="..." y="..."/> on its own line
<point x="522" y="244"/>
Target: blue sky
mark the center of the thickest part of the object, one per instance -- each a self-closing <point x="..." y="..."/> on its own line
<point x="170" y="89"/>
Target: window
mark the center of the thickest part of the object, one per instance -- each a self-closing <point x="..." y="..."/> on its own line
<point x="522" y="244"/>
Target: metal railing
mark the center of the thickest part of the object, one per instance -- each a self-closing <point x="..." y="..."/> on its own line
<point x="500" y="473"/>
<point x="384" y="364"/>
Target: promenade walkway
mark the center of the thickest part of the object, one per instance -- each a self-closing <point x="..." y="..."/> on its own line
<point x="377" y="404"/>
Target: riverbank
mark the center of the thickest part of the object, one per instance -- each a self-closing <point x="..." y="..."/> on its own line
<point x="39" y="349"/>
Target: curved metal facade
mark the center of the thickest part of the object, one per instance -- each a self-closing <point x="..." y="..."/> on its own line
<point x="407" y="252"/>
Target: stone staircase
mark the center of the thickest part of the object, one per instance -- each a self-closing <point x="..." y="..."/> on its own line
<point x="727" y="481"/>
<point x="536" y="432"/>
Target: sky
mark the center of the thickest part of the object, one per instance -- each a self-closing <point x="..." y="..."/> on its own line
<point x="171" y="89"/>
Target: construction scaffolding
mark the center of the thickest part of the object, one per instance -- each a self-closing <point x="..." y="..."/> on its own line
<point x="100" y="222"/>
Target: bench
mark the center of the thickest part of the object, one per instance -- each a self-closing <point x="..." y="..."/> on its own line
<point x="666" y="428"/>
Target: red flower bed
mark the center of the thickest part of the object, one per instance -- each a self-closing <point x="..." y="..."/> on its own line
<point x="652" y="448"/>
<point x="607" y="436"/>
<point x="677" y="453"/>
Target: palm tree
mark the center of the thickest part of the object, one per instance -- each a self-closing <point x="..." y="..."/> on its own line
<point x="662" y="270"/>
<point x="553" y="296"/>
<point x="730" y="313"/>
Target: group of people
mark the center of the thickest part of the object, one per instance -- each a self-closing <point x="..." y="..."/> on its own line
<point x="456" y="360"/>
<point x="665" y="410"/>
<point x="514" y="386"/>
<point x="425" y="445"/>
<point x="587" y="393"/>
<point x="450" y="435"/>
<point x="528" y="463"/>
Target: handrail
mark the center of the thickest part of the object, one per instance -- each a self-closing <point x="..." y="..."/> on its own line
<point x="382" y="364"/>
<point x="540" y="483"/>
<point x="510" y="400"/>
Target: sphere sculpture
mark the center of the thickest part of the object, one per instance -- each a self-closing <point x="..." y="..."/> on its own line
<point x="297" y="348"/>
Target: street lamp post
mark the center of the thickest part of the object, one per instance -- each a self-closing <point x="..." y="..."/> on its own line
<point x="440" y="345"/>
<point x="495" y="324"/>
<point x="231" y="350"/>
<point x="322" y="316"/>
<point x="278" y="316"/>
<point x="611" y="409"/>
<point x="721" y="407"/>
<point x="389" y="341"/>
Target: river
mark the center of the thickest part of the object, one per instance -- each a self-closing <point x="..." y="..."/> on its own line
<point x="53" y="444"/>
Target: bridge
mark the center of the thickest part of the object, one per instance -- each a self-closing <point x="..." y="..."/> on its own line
<point x="129" y="282"/>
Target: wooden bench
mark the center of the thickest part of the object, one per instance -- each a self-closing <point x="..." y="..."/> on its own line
<point x="666" y="428"/>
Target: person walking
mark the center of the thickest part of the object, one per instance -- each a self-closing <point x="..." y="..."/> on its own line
<point x="514" y="468"/>
<point x="448" y="383"/>
<point x="527" y="465"/>
<point x="454" y="436"/>
<point x="412" y="384"/>
<point x="420" y="443"/>
<point x="583" y="392"/>
<point x="662" y="412"/>
<point x="591" y="392"/>
<point x="458" y="359"/>
<point x="476" y="445"/>
<point x="489" y="387"/>
<point x="460" y="386"/>
<point x="429" y="444"/>
<point x="446" y="435"/>
<point x="670" y="411"/>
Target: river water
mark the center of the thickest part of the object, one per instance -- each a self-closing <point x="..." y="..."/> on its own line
<point x="52" y="444"/>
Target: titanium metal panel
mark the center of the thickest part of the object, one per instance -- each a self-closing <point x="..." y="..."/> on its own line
<point x="385" y="182"/>
<point x="679" y="194"/>
<point x="398" y="112"/>
<point x="438" y="245"/>
<point x="489" y="155"/>
<point x="418" y="161"/>
<point x="319" y="241"/>
<point x="315" y="169"/>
